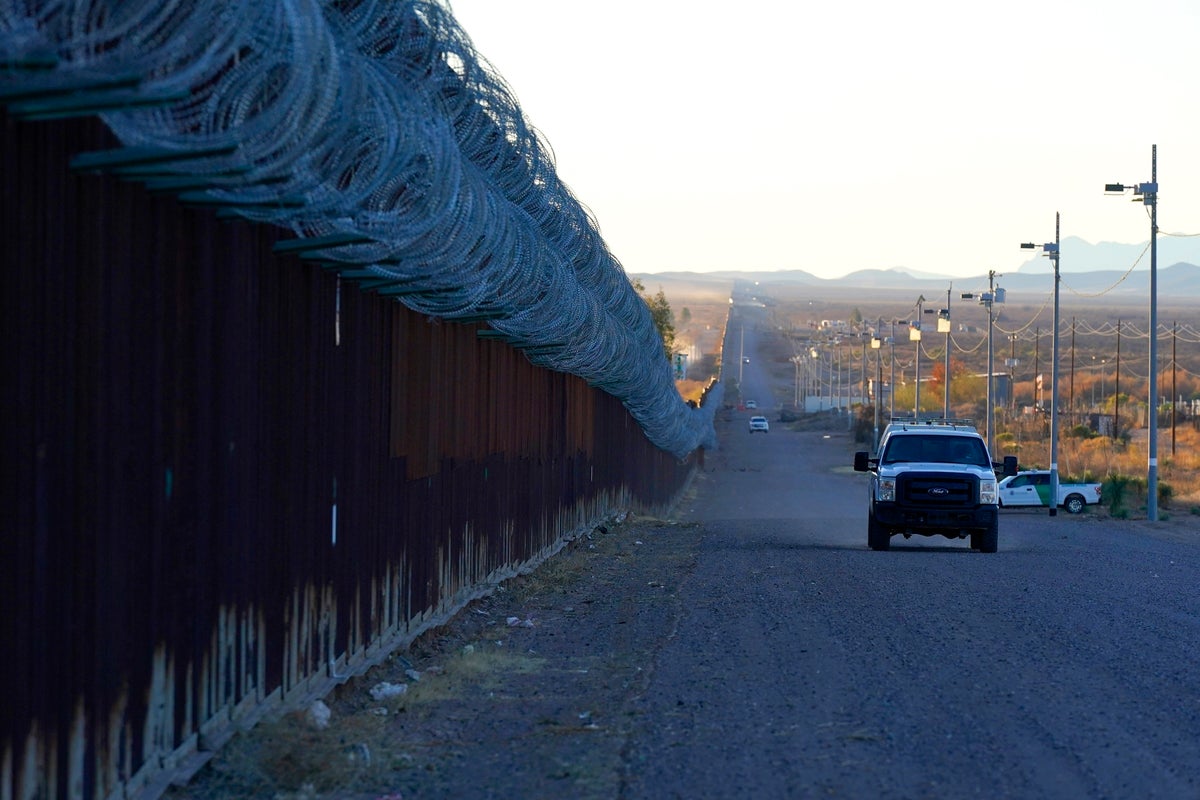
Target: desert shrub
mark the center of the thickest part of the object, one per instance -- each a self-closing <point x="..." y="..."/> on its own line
<point x="1081" y="432"/>
<point x="1116" y="490"/>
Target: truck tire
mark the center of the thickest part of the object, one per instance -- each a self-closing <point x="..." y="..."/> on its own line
<point x="1074" y="504"/>
<point x="986" y="539"/>
<point x="877" y="536"/>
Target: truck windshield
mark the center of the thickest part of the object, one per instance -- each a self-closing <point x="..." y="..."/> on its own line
<point x="938" y="449"/>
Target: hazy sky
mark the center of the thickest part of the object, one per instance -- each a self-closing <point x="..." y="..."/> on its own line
<point x="836" y="136"/>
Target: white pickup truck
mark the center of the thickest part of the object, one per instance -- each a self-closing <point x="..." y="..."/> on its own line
<point x="1032" y="488"/>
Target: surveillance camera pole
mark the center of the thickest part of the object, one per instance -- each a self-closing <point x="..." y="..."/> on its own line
<point x="1152" y="455"/>
<point x="991" y="411"/>
<point x="917" y="382"/>
<point x="946" y="377"/>
<point x="1147" y="193"/>
<point x="1051" y="250"/>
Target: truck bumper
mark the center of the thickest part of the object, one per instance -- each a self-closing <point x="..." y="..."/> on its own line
<point x="929" y="521"/>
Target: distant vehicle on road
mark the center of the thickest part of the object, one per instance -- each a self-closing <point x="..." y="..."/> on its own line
<point x="751" y="404"/>
<point x="759" y="424"/>
<point x="746" y="360"/>
<point x="1032" y="488"/>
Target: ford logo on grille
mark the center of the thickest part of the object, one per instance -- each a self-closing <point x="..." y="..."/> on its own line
<point x="939" y="490"/>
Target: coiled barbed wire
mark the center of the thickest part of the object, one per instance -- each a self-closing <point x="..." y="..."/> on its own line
<point x="379" y="122"/>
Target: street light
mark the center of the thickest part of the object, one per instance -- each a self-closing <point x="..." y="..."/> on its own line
<point x="876" y="344"/>
<point x="1147" y="193"/>
<point x="943" y="324"/>
<point x="986" y="299"/>
<point x="914" y="335"/>
<point x="892" y="378"/>
<point x="940" y="312"/>
<point x="796" y="394"/>
<point x="1052" y="252"/>
<point x="1103" y="375"/>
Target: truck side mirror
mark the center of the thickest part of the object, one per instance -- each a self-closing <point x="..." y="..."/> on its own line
<point x="1010" y="465"/>
<point x="861" y="459"/>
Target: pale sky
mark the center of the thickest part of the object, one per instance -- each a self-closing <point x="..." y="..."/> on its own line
<point x="929" y="135"/>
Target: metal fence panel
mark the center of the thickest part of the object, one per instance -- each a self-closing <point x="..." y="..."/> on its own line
<point x="231" y="480"/>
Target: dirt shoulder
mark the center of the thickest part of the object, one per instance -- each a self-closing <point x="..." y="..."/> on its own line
<point x="526" y="693"/>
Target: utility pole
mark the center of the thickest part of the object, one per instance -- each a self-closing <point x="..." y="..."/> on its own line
<point x="741" y="356"/>
<point x="1037" y="340"/>
<point x="991" y="412"/>
<point x="1071" y="404"/>
<point x="1148" y="193"/>
<point x="946" y="377"/>
<point x="1012" y="373"/>
<point x="914" y="333"/>
<point x="988" y="298"/>
<point x="1051" y="249"/>
<point x="1152" y="455"/>
<point x="1117" y="388"/>
<point x="892" y="379"/>
<point x="1054" y="381"/>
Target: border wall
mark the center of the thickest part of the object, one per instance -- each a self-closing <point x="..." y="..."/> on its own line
<point x="231" y="481"/>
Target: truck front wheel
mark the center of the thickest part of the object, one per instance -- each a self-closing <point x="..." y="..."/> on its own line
<point x="878" y="537"/>
<point x="986" y="539"/>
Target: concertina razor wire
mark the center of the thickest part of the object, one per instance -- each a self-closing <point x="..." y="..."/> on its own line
<point x="374" y="132"/>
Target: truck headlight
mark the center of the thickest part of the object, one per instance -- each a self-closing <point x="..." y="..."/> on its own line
<point x="886" y="489"/>
<point x="987" y="493"/>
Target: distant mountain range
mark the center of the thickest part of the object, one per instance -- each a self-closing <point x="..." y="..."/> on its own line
<point x="1084" y="268"/>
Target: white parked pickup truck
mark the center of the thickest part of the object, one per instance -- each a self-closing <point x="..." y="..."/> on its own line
<point x="1032" y="488"/>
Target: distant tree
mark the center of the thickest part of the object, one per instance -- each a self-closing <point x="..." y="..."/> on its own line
<point x="856" y="319"/>
<point x="957" y="368"/>
<point x="660" y="312"/>
<point x="685" y="316"/>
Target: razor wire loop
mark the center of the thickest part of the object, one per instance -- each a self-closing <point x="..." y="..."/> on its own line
<point x="378" y="121"/>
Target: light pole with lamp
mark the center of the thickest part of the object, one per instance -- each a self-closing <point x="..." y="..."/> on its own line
<point x="864" y="338"/>
<point x="1051" y="250"/>
<point x="892" y="379"/>
<point x="986" y="299"/>
<point x="943" y="324"/>
<point x="876" y="344"/>
<point x="796" y="393"/>
<point x="1103" y="375"/>
<point x="914" y="335"/>
<point x="1147" y="193"/>
<point x="741" y="355"/>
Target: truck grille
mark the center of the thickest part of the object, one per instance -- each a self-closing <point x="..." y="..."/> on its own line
<point x="937" y="490"/>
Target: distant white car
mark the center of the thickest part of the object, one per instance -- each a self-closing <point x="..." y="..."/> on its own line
<point x="751" y="404"/>
<point x="759" y="424"/>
